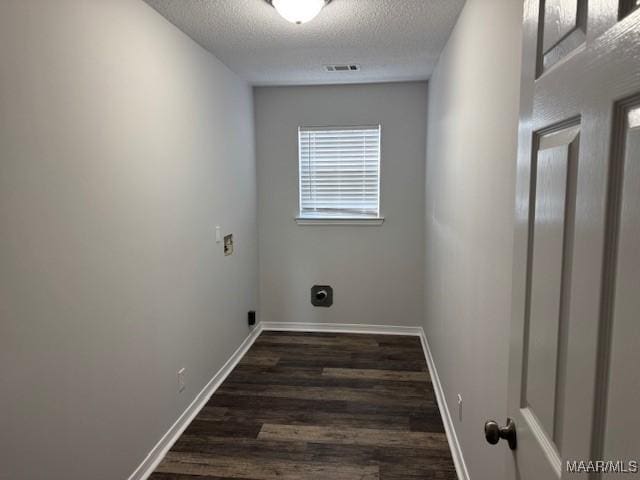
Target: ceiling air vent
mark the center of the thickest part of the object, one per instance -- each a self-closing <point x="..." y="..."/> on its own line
<point x="342" y="68"/>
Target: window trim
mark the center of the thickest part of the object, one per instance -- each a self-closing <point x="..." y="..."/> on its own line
<point x="346" y="219"/>
<point x="365" y="221"/>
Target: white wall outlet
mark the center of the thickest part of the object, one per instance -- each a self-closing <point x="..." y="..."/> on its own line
<point x="181" y="380"/>
<point x="459" y="407"/>
<point x="218" y="234"/>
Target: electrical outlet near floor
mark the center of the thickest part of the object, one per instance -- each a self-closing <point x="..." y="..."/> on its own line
<point x="459" y="407"/>
<point x="181" y="380"/>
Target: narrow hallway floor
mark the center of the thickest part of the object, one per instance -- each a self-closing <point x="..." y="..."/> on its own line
<point x="318" y="406"/>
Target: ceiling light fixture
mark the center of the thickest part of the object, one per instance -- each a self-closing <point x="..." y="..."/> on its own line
<point x="298" y="11"/>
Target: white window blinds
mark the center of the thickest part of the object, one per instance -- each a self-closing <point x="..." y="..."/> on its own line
<point x="339" y="172"/>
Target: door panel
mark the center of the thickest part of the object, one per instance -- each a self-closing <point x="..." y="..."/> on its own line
<point x="550" y="274"/>
<point x="560" y="19"/>
<point x="623" y="397"/>
<point x="576" y="278"/>
<point x="563" y="29"/>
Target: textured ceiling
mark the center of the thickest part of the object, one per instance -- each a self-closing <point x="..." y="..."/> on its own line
<point x="392" y="40"/>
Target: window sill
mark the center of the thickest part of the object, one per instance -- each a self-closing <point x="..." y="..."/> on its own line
<point x="340" y="221"/>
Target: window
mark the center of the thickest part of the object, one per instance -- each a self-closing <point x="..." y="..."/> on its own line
<point x="339" y="172"/>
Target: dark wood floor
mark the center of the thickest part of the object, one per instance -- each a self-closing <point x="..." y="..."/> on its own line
<point x="318" y="406"/>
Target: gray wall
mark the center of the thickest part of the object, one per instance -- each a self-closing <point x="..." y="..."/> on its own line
<point x="471" y="158"/>
<point x="122" y="145"/>
<point x="375" y="271"/>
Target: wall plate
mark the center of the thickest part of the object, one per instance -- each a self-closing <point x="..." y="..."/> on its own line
<point x="321" y="296"/>
<point x="228" y="244"/>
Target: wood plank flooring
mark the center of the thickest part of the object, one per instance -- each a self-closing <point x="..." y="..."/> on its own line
<point x="318" y="406"/>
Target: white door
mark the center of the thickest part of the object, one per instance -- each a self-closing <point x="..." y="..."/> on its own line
<point x="574" y="391"/>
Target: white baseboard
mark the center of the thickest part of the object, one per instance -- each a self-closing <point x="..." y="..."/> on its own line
<point x="449" y="428"/>
<point x="157" y="453"/>
<point x="341" y="328"/>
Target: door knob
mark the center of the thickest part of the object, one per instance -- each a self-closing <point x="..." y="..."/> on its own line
<point x="494" y="432"/>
